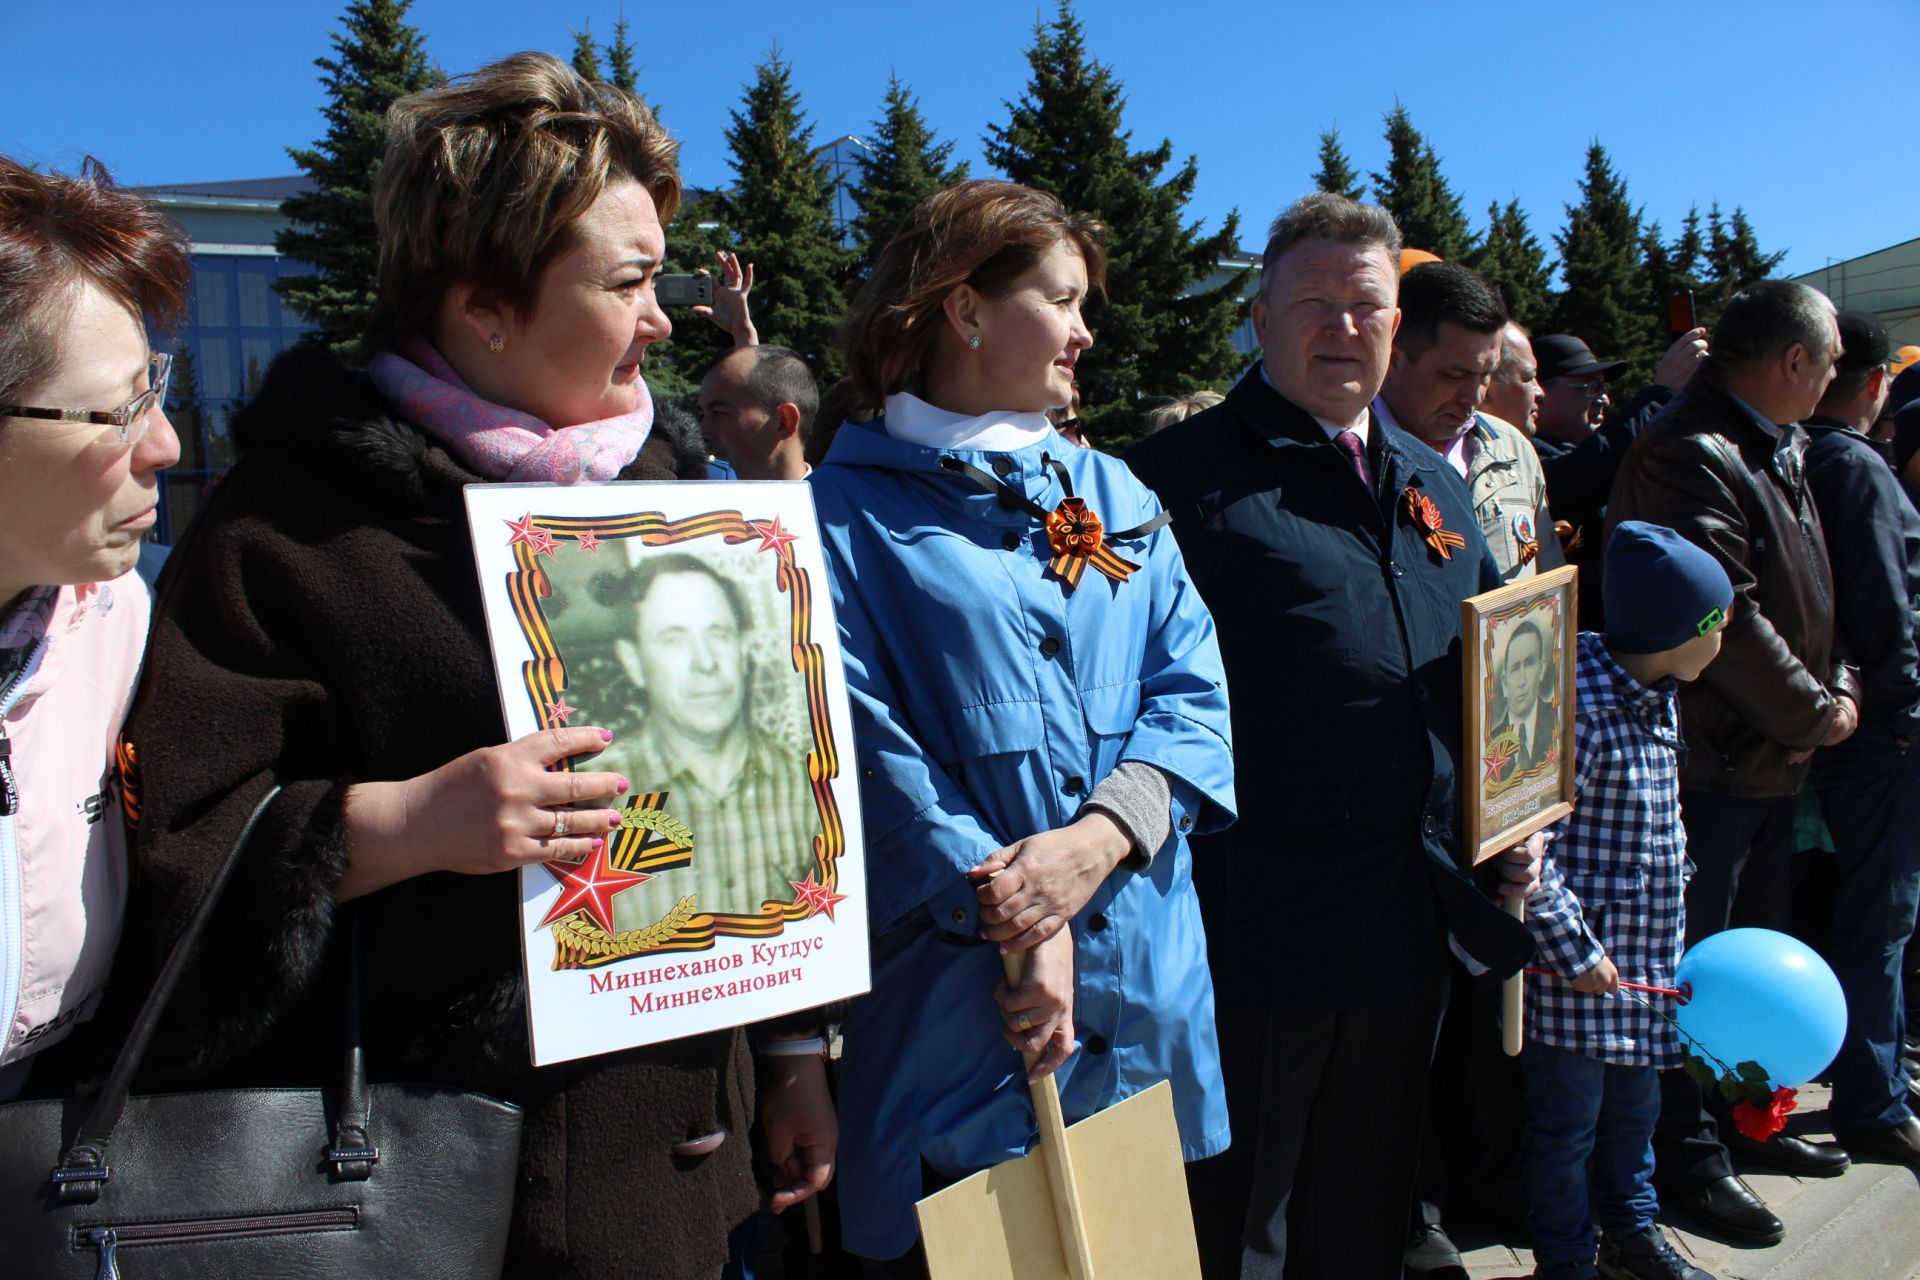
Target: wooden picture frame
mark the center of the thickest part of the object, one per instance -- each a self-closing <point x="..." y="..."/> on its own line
<point x="1517" y="771"/>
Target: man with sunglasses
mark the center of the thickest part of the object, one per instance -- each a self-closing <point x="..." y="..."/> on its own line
<point x="1581" y="445"/>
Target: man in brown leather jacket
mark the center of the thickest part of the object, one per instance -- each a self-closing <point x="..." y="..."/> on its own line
<point x="1724" y="465"/>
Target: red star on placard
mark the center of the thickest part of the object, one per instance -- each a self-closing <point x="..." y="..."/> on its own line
<point x="1495" y="763"/>
<point x="524" y="530"/>
<point x="559" y="711"/>
<point x="772" y="539"/>
<point x="542" y="543"/>
<point x="819" y="899"/>
<point x="589" y="886"/>
<point x="589" y="541"/>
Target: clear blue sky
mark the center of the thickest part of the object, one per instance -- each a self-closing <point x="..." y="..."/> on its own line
<point x="1796" y="111"/>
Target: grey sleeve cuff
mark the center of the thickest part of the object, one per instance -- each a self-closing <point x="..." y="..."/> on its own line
<point x="1139" y="798"/>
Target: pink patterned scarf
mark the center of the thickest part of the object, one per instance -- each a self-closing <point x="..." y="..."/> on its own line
<point x="502" y="443"/>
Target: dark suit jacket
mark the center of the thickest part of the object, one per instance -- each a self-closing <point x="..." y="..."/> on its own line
<point x="1339" y="626"/>
<point x="1873" y="539"/>
<point x="1546" y="724"/>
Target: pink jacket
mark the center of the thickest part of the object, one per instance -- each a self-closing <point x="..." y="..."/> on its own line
<point x="63" y="855"/>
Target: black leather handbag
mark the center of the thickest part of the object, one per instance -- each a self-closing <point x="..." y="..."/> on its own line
<point x="388" y="1180"/>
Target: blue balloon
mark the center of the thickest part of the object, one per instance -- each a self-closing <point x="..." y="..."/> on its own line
<point x="1761" y="996"/>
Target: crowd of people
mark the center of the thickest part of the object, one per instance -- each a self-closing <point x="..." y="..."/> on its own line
<point x="1210" y="792"/>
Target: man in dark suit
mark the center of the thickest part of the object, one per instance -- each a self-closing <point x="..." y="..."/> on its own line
<point x="1530" y="722"/>
<point x="1870" y="784"/>
<point x="1333" y="551"/>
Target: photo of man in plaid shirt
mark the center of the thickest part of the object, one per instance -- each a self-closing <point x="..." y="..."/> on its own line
<point x="1610" y="908"/>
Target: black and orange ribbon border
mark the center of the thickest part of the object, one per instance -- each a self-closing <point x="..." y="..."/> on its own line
<point x="637" y="849"/>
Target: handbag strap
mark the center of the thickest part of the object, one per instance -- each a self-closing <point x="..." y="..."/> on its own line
<point x="83" y="1170"/>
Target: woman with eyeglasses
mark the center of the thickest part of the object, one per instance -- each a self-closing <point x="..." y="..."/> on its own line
<point x="84" y="270"/>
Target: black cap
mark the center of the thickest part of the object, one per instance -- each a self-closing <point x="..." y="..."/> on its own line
<point x="1864" y="342"/>
<point x="1561" y="355"/>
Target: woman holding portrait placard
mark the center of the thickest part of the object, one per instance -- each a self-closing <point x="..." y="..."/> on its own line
<point x="322" y="629"/>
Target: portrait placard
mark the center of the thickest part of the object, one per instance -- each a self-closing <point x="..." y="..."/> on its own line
<point x="693" y="621"/>
<point x="1520" y="648"/>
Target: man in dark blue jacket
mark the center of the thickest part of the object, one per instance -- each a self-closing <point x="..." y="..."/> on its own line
<point x="1334" y="552"/>
<point x="1869" y="785"/>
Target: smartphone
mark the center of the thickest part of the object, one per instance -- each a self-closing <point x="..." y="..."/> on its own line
<point x="684" y="291"/>
<point x="1680" y="313"/>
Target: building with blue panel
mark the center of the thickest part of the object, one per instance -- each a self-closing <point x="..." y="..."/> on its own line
<point x="235" y="324"/>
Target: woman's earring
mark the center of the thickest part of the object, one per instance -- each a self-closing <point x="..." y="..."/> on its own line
<point x="973" y="342"/>
<point x="495" y="344"/>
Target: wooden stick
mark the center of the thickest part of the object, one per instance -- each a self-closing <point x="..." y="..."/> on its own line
<point x="814" y="1245"/>
<point x="1067" y="1210"/>
<point x="1513" y="1027"/>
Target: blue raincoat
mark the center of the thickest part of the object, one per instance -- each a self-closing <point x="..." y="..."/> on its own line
<point x="988" y="701"/>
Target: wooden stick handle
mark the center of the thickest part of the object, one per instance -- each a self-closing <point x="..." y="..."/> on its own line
<point x="814" y="1244"/>
<point x="1054" y="1152"/>
<point x="1513" y="1022"/>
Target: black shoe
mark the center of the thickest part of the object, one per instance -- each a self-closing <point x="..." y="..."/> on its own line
<point x="1900" y="1144"/>
<point x="1790" y="1155"/>
<point x="1431" y="1255"/>
<point x="1727" y="1206"/>
<point x="1646" y="1256"/>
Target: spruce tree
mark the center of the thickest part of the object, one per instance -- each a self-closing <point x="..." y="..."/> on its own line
<point x="586" y="54"/>
<point x="1733" y="258"/>
<point x="1512" y="261"/>
<point x="1419" y="198"/>
<point x="779" y="215"/>
<point x="620" y="69"/>
<point x="1606" y="302"/>
<point x="1336" y="172"/>
<point x="904" y="167"/>
<point x="1157" y="331"/>
<point x="378" y="57"/>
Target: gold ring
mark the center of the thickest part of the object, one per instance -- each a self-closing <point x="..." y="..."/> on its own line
<point x="559" y="823"/>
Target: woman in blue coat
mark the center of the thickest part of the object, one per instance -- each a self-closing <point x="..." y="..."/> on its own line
<point x="1037" y="697"/>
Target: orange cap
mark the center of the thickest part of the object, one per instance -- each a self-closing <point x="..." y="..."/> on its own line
<point x="1411" y="258"/>
<point x="1902" y="358"/>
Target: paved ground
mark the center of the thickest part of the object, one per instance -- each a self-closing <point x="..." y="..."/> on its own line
<point x="1863" y="1225"/>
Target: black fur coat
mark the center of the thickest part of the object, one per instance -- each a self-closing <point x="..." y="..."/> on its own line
<point x="321" y="625"/>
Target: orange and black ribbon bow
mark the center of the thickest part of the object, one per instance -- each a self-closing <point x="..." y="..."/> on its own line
<point x="1075" y="533"/>
<point x="1426" y="515"/>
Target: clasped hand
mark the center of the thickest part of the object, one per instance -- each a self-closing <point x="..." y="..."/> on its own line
<point x="1036" y="885"/>
<point x="1038" y="1013"/>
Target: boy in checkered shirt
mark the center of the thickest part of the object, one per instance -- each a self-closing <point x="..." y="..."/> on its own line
<point x="1610" y="908"/>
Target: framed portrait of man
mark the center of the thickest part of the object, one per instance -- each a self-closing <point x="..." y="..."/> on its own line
<point x="693" y="623"/>
<point x="1520" y="648"/>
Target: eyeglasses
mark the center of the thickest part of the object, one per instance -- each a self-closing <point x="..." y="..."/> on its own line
<point x="1594" y="387"/>
<point x="129" y="420"/>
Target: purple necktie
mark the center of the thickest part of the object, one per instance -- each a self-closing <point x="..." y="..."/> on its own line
<point x="1349" y="442"/>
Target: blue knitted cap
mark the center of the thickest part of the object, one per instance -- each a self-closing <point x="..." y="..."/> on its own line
<point x="1660" y="590"/>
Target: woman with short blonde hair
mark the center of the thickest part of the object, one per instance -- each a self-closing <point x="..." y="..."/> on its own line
<point x="323" y="630"/>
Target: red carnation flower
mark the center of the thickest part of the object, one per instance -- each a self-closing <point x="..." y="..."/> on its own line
<point x="1760" y="1123"/>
